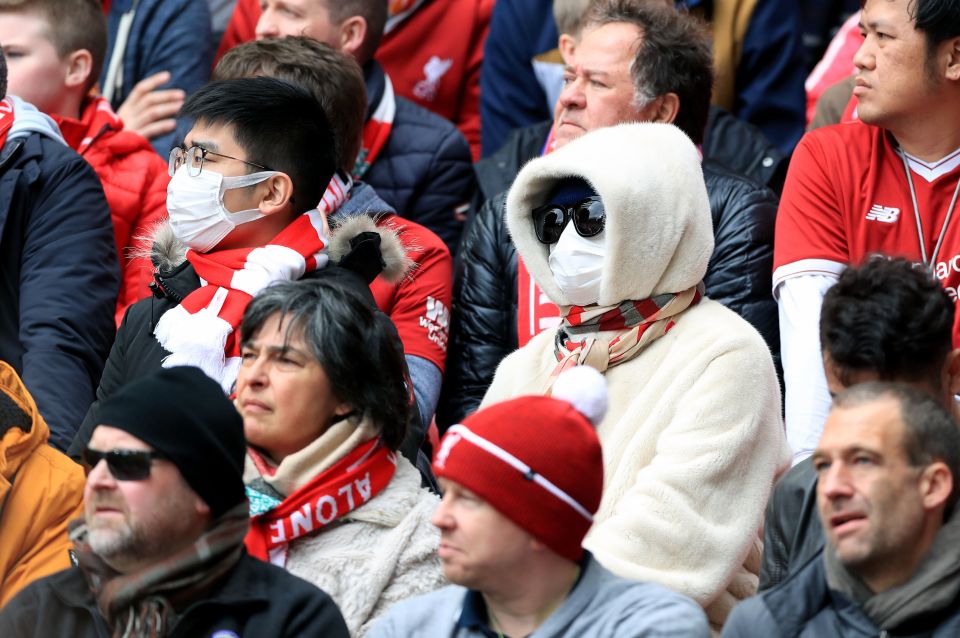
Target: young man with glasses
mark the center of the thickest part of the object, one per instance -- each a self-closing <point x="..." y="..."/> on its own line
<point x="242" y="207"/>
<point x="615" y="229"/>
<point x="160" y="548"/>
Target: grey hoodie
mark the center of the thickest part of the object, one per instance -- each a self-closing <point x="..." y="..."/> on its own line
<point x="601" y="605"/>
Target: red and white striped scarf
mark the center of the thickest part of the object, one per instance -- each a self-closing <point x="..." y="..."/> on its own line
<point x="201" y="331"/>
<point x="338" y="192"/>
<point x="376" y="130"/>
<point x="637" y="325"/>
<point x="348" y="484"/>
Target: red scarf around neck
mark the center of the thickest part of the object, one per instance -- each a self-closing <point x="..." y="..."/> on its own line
<point x="202" y="330"/>
<point x="6" y="119"/>
<point x="96" y="115"/>
<point x="348" y="484"/>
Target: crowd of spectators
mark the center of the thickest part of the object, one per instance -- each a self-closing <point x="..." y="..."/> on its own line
<point x="479" y="318"/>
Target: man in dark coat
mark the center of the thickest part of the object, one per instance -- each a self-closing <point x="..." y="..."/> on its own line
<point x="59" y="274"/>
<point x="909" y="340"/>
<point x="887" y="464"/>
<point x="161" y="545"/>
<point x="418" y="162"/>
<point x="495" y="307"/>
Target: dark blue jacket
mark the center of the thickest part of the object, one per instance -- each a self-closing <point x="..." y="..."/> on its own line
<point x="166" y="35"/>
<point x="803" y="606"/>
<point x="425" y="171"/>
<point x="769" y="77"/>
<point x="59" y="278"/>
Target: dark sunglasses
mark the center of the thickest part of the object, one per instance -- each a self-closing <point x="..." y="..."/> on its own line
<point x="588" y="216"/>
<point x="124" y="465"/>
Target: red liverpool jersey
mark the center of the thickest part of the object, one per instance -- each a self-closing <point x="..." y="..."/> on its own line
<point x="847" y="197"/>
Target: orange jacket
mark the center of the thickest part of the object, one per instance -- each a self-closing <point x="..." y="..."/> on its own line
<point x="134" y="180"/>
<point x="41" y="490"/>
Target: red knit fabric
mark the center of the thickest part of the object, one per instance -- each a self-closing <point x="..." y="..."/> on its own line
<point x="551" y="437"/>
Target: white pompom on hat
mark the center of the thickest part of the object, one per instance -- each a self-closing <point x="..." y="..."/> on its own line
<point x="585" y="389"/>
<point x="536" y="459"/>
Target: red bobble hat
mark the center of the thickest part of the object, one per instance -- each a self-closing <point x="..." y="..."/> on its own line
<point x="536" y="459"/>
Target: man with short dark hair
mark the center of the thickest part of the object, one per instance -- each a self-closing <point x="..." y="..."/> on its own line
<point x="418" y="162"/>
<point x="888" y="465"/>
<point x="885" y="184"/>
<point x="161" y="545"/>
<point x="241" y="203"/>
<point x="887" y="320"/>
<point x="419" y="303"/>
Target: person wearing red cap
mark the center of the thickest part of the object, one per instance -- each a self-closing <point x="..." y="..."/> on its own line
<point x="518" y="501"/>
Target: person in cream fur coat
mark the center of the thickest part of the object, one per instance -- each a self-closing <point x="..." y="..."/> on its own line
<point x="693" y="439"/>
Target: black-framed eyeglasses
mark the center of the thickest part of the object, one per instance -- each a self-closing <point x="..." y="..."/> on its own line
<point x="588" y="217"/>
<point x="193" y="158"/>
<point x="124" y="465"/>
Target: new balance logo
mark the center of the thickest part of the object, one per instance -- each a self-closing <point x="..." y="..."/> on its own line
<point x="885" y="214"/>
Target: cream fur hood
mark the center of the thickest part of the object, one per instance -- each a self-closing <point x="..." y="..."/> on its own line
<point x="659" y="231"/>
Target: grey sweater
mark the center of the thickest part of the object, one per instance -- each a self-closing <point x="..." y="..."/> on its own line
<point x="601" y="605"/>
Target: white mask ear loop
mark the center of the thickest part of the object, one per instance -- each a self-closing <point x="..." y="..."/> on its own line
<point x="242" y="181"/>
<point x="239" y="181"/>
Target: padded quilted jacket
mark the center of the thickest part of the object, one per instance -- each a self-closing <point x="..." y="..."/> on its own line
<point x="425" y="171"/>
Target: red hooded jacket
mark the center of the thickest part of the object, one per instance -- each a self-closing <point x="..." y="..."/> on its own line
<point x="134" y="180"/>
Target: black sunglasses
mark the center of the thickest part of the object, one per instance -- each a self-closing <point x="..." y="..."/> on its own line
<point x="588" y="217"/>
<point x="124" y="465"/>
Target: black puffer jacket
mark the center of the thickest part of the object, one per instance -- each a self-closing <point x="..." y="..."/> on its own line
<point x="425" y="170"/>
<point x="484" y="325"/>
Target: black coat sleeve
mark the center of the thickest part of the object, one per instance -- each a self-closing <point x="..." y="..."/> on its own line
<point x="483" y="328"/>
<point x="741" y="268"/>
<point x="70" y="277"/>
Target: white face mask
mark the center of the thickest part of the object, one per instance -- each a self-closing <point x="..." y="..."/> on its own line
<point x="577" y="265"/>
<point x="195" y="206"/>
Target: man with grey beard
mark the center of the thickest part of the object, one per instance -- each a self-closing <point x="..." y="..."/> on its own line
<point x="161" y="546"/>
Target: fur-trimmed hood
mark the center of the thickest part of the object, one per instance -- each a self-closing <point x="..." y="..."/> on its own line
<point x="353" y="218"/>
<point x="659" y="231"/>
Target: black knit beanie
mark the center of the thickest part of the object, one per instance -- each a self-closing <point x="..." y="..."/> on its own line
<point x="183" y="413"/>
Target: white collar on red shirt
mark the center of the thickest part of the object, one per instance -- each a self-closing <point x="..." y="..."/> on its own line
<point x="933" y="170"/>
